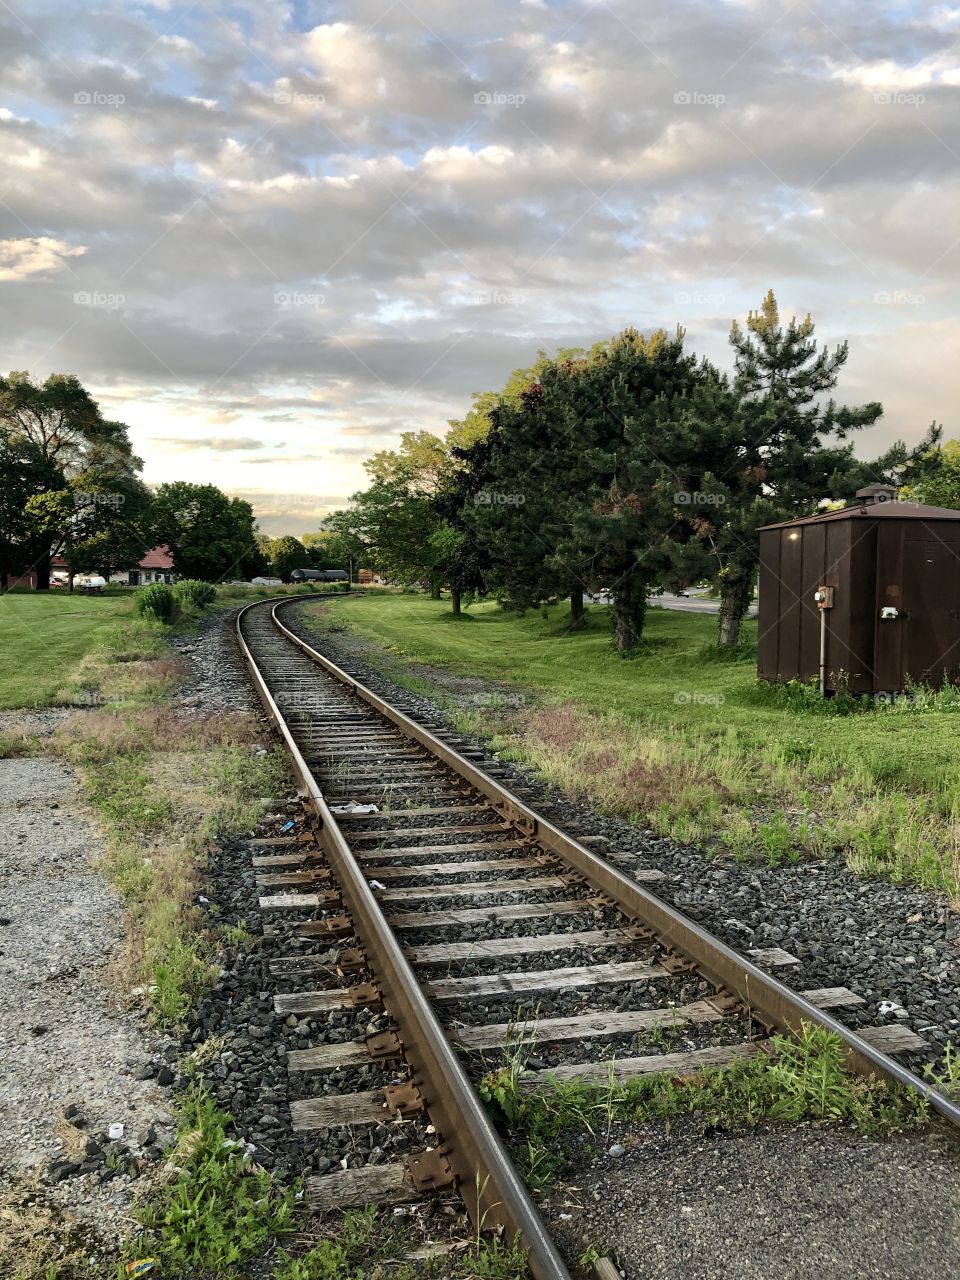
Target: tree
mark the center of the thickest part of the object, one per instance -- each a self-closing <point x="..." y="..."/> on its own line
<point x="101" y="523"/>
<point x="325" y="550"/>
<point x="636" y="422"/>
<point x="210" y="536"/>
<point x="57" y="427"/>
<point x="340" y="543"/>
<point x="776" y="464"/>
<point x="592" y="453"/>
<point x="22" y="477"/>
<point x="934" y="477"/>
<point x="521" y="507"/>
<point x="286" y="554"/>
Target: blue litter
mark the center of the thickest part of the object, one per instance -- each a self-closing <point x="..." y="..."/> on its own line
<point x="288" y="826"/>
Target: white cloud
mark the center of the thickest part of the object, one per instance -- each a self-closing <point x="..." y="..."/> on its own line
<point x="34" y="255"/>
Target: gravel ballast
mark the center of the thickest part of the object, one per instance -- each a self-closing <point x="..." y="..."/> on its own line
<point x="682" y="1202"/>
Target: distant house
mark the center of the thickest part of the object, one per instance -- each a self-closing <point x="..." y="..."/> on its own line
<point x="156" y="566"/>
<point x="370" y="578"/>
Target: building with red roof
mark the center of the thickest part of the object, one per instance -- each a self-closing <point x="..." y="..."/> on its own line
<point x="156" y="566"/>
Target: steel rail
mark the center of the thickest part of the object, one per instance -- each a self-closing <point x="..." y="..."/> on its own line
<point x="487" y="1181"/>
<point x="770" y="1001"/>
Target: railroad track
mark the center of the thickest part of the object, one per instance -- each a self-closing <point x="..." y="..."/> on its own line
<point x="468" y="924"/>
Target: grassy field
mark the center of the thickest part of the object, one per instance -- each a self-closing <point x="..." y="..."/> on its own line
<point x="164" y="786"/>
<point x="43" y="635"/>
<point x="692" y="745"/>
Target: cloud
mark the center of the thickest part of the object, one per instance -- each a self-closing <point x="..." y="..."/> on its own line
<point x="34" y="255"/>
<point x="213" y="444"/>
<point x="318" y="238"/>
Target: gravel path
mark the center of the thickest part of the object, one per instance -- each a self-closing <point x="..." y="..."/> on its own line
<point x="71" y="1057"/>
<point x="216" y="678"/>
<point x="786" y="1204"/>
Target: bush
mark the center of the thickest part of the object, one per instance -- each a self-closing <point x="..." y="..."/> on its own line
<point x="155" y="601"/>
<point x="193" y="592"/>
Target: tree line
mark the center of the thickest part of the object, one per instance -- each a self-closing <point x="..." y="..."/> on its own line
<point x="70" y="486"/>
<point x="627" y="468"/>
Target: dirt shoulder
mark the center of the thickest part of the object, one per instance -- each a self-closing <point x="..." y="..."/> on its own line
<point x="75" y="1062"/>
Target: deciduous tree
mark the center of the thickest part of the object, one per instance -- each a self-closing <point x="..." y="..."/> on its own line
<point x="210" y="536"/>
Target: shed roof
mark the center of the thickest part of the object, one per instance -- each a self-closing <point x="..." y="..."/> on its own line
<point x="160" y="558"/>
<point x="873" y="511"/>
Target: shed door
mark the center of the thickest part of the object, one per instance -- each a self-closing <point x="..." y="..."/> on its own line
<point x="931" y="628"/>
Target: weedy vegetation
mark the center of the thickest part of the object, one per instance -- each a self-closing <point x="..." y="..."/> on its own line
<point x="797" y="1079"/>
<point x="220" y="1210"/>
<point x="165" y="787"/>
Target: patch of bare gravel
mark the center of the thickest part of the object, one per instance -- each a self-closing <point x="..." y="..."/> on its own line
<point x="784" y="1204"/>
<point x="72" y="1056"/>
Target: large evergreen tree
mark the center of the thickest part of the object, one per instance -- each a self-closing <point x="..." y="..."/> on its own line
<point x="778" y="464"/>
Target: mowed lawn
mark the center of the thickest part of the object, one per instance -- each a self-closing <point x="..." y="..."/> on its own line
<point x="43" y="635"/>
<point x="726" y="759"/>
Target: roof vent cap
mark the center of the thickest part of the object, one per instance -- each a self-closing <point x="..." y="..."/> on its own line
<point x="877" y="493"/>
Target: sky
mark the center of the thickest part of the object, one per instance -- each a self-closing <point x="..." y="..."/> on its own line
<point x="270" y="237"/>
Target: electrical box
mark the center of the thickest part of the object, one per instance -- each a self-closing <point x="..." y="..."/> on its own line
<point x="824" y="597"/>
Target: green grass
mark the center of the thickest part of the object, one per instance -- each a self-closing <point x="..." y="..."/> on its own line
<point x="220" y="1210"/>
<point x="688" y="742"/>
<point x="800" y="1078"/>
<point x="44" y="634"/>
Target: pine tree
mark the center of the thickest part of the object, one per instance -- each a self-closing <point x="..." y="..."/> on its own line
<point x="777" y="464"/>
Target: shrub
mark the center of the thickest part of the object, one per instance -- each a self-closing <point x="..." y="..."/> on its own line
<point x="155" y="601"/>
<point x="193" y="592"/>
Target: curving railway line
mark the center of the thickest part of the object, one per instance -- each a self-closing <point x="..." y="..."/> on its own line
<point x="466" y="923"/>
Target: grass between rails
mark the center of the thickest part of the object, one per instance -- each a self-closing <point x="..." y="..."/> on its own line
<point x="687" y="742"/>
<point x="795" y="1080"/>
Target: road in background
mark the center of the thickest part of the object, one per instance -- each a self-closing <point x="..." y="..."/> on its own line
<point x="684" y="604"/>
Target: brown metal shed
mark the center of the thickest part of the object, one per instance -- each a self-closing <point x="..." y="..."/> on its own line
<point x="893" y="616"/>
